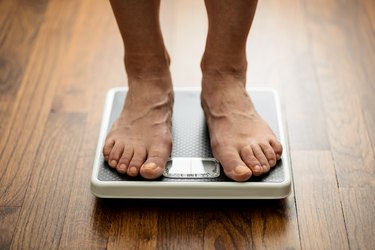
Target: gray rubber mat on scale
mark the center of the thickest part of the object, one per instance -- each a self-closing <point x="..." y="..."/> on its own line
<point x="191" y="137"/>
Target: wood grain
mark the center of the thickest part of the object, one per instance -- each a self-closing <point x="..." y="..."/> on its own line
<point x="180" y="224"/>
<point x="8" y="219"/>
<point x="360" y="38"/>
<point x="196" y="224"/>
<point x="320" y="218"/>
<point x="20" y="145"/>
<point x="359" y="207"/>
<point x="17" y="39"/>
<point x="251" y="225"/>
<point x="97" y="62"/>
<point x="58" y="59"/>
<point x="361" y="42"/>
<point x="349" y="138"/>
<point x="133" y="226"/>
<point x="370" y="125"/>
<point x="43" y="213"/>
<point x="87" y="221"/>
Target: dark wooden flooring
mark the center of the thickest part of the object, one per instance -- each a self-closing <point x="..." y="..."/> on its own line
<point x="58" y="59"/>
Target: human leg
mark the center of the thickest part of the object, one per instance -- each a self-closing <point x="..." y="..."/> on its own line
<point x="240" y="139"/>
<point x="140" y="141"/>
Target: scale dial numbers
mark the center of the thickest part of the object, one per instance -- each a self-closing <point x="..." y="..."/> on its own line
<point x="192" y="168"/>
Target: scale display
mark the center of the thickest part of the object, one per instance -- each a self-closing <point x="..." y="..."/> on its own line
<point x="192" y="168"/>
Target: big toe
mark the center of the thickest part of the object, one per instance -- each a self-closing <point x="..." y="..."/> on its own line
<point x="157" y="158"/>
<point x="151" y="170"/>
<point x="234" y="167"/>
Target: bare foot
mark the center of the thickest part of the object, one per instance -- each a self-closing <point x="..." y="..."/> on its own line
<point x="140" y="141"/>
<point x="241" y="140"/>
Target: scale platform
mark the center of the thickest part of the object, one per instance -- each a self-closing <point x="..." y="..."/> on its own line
<point x="192" y="172"/>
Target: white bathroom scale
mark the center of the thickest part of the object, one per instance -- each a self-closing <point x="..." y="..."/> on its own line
<point x="192" y="172"/>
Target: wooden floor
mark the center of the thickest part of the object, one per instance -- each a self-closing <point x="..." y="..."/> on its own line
<point x="58" y="59"/>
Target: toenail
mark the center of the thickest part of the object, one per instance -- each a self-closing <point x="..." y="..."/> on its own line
<point x="278" y="156"/>
<point x="113" y="162"/>
<point x="150" y="166"/>
<point x="122" y="167"/>
<point x="241" y="170"/>
<point x="272" y="162"/>
<point x="264" y="167"/>
<point x="133" y="170"/>
<point x="257" y="168"/>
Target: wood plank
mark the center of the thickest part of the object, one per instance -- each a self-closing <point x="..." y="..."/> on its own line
<point x="370" y="125"/>
<point x="180" y="225"/>
<point x="279" y="57"/>
<point x="203" y="224"/>
<point x="320" y="217"/>
<point x="338" y="79"/>
<point x="361" y="40"/>
<point x="19" y="25"/>
<point x="8" y="8"/>
<point x="134" y="226"/>
<point x="251" y="225"/>
<point x="89" y="224"/>
<point x="8" y="218"/>
<point x="33" y="102"/>
<point x="97" y="58"/>
<point x="17" y="38"/>
<point x="43" y="212"/>
<point x="98" y="65"/>
<point x="359" y="210"/>
<point x="356" y="41"/>
<point x="88" y="220"/>
<point x="214" y="224"/>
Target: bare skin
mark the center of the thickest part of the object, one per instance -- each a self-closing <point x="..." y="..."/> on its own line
<point x="140" y="141"/>
<point x="240" y="139"/>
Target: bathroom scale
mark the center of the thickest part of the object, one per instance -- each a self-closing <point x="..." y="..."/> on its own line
<point x="192" y="172"/>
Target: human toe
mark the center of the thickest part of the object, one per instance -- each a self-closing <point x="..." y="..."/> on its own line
<point x="115" y="154"/>
<point x="269" y="153"/>
<point x="156" y="161"/>
<point x="258" y="153"/>
<point x="107" y="148"/>
<point x="251" y="161"/>
<point x="277" y="148"/>
<point x="234" y="167"/>
<point x="137" y="161"/>
<point x="125" y="159"/>
<point x="151" y="170"/>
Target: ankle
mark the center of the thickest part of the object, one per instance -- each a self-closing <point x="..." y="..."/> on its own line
<point x="147" y="66"/>
<point x="223" y="72"/>
<point x="224" y="64"/>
